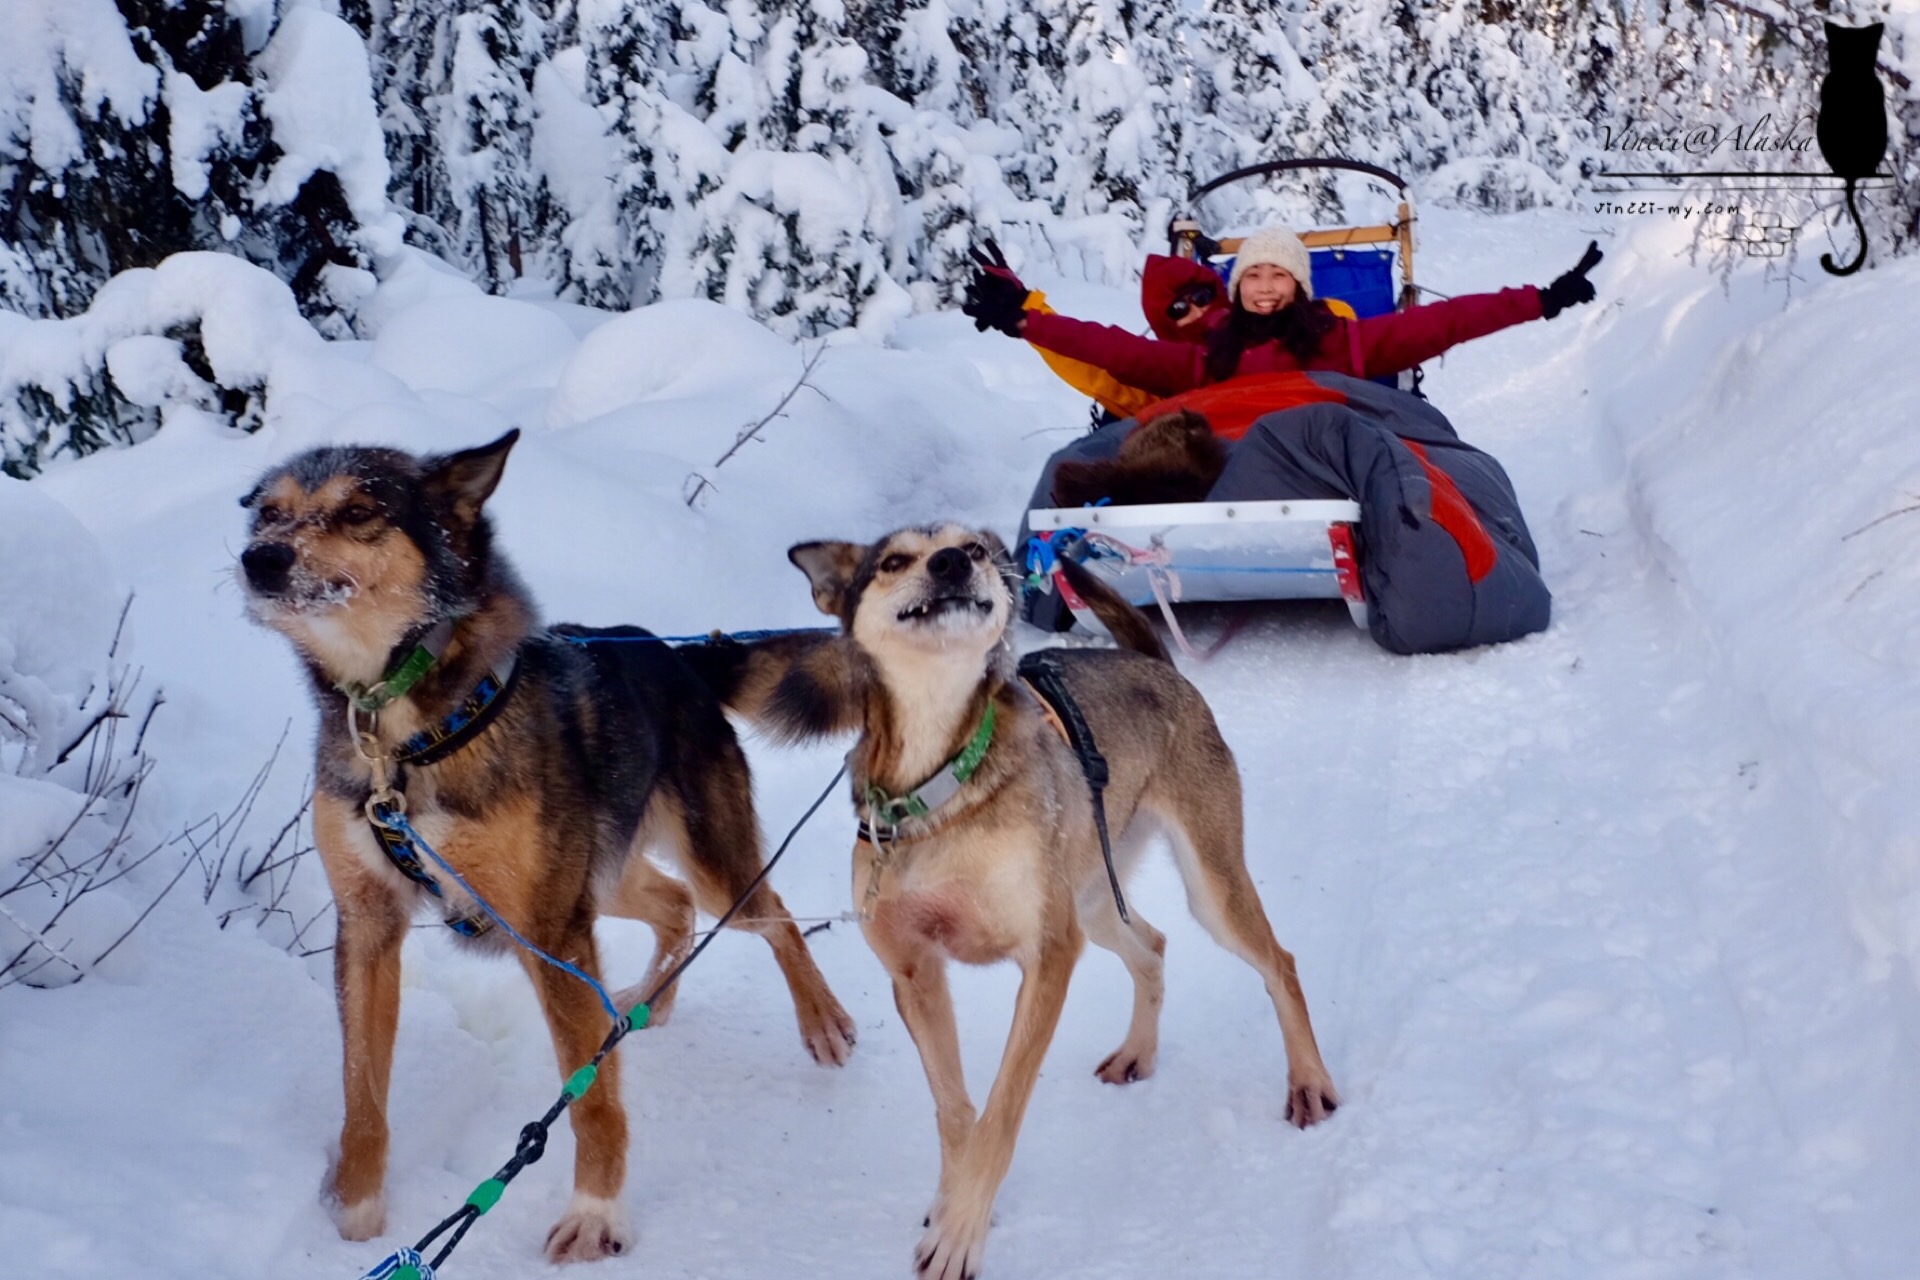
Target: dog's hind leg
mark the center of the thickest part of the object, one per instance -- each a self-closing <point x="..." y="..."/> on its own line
<point x="366" y="977"/>
<point x="594" y="1225"/>
<point x="651" y="896"/>
<point x="719" y="841"/>
<point x="1200" y="805"/>
<point x="1142" y="948"/>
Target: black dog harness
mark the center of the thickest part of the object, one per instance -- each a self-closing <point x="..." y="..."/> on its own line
<point x="1046" y="676"/>
<point x="429" y="746"/>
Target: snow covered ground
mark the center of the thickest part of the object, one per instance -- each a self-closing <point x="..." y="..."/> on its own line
<point x="1610" y="935"/>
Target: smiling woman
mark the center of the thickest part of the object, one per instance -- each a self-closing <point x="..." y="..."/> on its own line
<point x="1275" y="324"/>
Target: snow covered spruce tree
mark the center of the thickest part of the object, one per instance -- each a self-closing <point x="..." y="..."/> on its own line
<point x="929" y="60"/>
<point x="1118" y="156"/>
<point x="1253" y="99"/>
<point x="140" y="128"/>
<point x="457" y="106"/>
<point x="792" y="232"/>
<point x="759" y="180"/>
<point x="1024" y="78"/>
<point x="1484" y="126"/>
<point x="132" y="130"/>
<point x="612" y="241"/>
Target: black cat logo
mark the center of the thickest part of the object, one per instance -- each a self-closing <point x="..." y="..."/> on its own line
<point x="1852" y="128"/>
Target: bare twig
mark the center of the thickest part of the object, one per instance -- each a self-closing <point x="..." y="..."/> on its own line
<point x="38" y="938"/>
<point x="141" y="918"/>
<point x="1882" y="520"/>
<point x="698" y="484"/>
<point x="1863" y="585"/>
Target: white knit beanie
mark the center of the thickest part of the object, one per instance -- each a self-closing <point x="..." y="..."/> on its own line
<point x="1278" y="247"/>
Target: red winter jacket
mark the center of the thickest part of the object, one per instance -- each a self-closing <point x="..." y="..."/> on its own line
<point x="1370" y="348"/>
<point x="1164" y="279"/>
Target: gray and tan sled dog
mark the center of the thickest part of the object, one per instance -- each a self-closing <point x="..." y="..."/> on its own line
<point x="978" y="840"/>
<point x="540" y="768"/>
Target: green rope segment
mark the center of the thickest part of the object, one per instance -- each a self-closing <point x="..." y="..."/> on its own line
<point x="638" y="1018"/>
<point x="580" y="1081"/>
<point x="487" y="1194"/>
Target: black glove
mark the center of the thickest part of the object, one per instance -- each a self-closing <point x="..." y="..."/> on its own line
<point x="1572" y="288"/>
<point x="995" y="297"/>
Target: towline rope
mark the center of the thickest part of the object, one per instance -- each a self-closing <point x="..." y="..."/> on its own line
<point x="706" y="637"/>
<point x="412" y="1264"/>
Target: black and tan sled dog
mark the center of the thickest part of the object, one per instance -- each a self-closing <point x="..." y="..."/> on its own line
<point x="541" y="769"/>
<point x="978" y="840"/>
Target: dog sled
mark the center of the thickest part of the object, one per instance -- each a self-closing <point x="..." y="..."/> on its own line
<point x="1333" y="487"/>
<point x="1280" y="547"/>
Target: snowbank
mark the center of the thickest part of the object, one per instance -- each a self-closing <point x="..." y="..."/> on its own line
<point x="1770" y="439"/>
<point x="1608" y="934"/>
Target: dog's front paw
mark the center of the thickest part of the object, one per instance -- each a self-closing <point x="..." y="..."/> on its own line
<point x="1125" y="1065"/>
<point x="952" y="1247"/>
<point x="828" y="1032"/>
<point x="1310" y="1099"/>
<point x="362" y="1221"/>
<point x="593" y="1229"/>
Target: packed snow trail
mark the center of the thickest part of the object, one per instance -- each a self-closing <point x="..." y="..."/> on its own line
<point x="1566" y="910"/>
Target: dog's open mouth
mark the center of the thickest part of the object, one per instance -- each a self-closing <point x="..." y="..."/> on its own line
<point x="945" y="607"/>
<point x="315" y="596"/>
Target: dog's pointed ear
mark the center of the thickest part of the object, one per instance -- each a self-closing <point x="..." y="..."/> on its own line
<point x="830" y="567"/>
<point x="465" y="480"/>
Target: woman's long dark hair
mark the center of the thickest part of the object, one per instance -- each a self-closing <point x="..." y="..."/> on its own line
<point x="1300" y="327"/>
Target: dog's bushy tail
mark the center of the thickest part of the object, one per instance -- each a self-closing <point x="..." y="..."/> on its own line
<point x="744" y="675"/>
<point x="797" y="688"/>
<point x="1131" y="629"/>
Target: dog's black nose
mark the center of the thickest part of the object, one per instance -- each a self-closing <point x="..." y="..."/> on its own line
<point x="950" y="565"/>
<point x="267" y="564"/>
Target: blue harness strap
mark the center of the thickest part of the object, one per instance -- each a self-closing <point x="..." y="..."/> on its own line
<point x="475" y="712"/>
<point x="396" y="841"/>
<point x="401" y="1264"/>
<point x="436" y="742"/>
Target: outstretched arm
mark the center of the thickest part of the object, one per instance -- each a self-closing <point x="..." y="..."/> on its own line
<point x="1386" y="344"/>
<point x="1164" y="368"/>
<point x="995" y="299"/>
<point x="1389" y="343"/>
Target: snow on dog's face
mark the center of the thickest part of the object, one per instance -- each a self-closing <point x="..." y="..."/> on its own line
<point x="939" y="587"/>
<point x="353" y="548"/>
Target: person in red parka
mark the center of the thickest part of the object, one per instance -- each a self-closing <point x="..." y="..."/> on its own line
<point x="1183" y="298"/>
<point x="1275" y="324"/>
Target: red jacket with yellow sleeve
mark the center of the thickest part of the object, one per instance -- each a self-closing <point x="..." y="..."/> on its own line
<point x="1369" y="348"/>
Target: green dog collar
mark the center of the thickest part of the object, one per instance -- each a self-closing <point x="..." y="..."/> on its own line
<point x="405" y="674"/>
<point x="891" y="811"/>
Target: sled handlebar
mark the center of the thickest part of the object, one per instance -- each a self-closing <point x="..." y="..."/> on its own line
<point x="1287" y="166"/>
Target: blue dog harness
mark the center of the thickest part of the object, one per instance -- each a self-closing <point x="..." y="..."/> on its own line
<point x="429" y="746"/>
